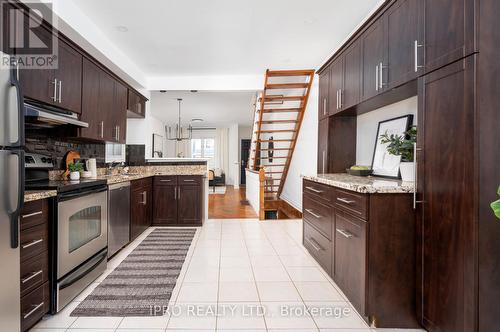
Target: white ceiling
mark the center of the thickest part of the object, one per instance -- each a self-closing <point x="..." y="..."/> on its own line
<point x="214" y="107"/>
<point x="226" y="37"/>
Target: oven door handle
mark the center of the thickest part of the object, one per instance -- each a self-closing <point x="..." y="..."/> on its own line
<point x="83" y="192"/>
<point x="89" y="266"/>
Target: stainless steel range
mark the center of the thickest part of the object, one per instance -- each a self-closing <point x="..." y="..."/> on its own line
<point x="79" y="230"/>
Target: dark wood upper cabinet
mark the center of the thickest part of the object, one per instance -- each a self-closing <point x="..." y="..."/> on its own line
<point x="90" y="102"/>
<point x="404" y="63"/>
<point x="324" y="86"/>
<point x="336" y="85"/>
<point x="374" y="41"/>
<point x="136" y="105"/>
<point x="448" y="30"/>
<point x="323" y="128"/>
<point x="446" y="181"/>
<point x="69" y="78"/>
<point x="106" y="105"/>
<point x="120" y="111"/>
<point x="351" y="93"/>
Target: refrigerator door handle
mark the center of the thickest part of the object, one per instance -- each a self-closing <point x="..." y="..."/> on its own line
<point x="14" y="215"/>
<point x="14" y="81"/>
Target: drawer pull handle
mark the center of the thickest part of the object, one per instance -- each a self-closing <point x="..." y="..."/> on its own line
<point x="33" y="310"/>
<point x="345" y="233"/>
<point x="24" y="246"/>
<point x="314" y="244"/>
<point x="165" y="180"/>
<point x="31" y="214"/>
<point x="188" y="180"/>
<point x="315" y="190"/>
<point x="344" y="200"/>
<point x="317" y="216"/>
<point x="33" y="275"/>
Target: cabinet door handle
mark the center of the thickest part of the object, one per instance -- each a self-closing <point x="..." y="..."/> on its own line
<point x="344" y="233"/>
<point x="337" y="99"/>
<point x="314" y="244"/>
<point x="144" y="198"/>
<point x="324" y="106"/>
<point x="54" y="96"/>
<point x="60" y="92"/>
<point x="340" y="99"/>
<point x="24" y="216"/>
<point x="33" y="310"/>
<point x="175" y="193"/>
<point x="179" y="188"/>
<point x="33" y="275"/>
<point x="324" y="161"/>
<point x="376" y="78"/>
<point x="102" y="129"/>
<point x="415" y="202"/>
<point x="381" y="76"/>
<point x="417" y="45"/>
<point x="31" y="244"/>
<point x="315" y="190"/>
<point x="317" y="216"/>
<point x="344" y="200"/>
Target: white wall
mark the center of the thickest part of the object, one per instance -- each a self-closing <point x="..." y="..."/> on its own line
<point x="233" y="177"/>
<point x="252" y="190"/>
<point x="305" y="155"/>
<point x="367" y="125"/>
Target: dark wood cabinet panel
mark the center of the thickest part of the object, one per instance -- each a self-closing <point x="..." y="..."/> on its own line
<point x="319" y="246"/>
<point x="120" y="111"/>
<point x="447" y="215"/>
<point x="136" y="105"/>
<point x="34" y="213"/>
<point x="374" y="41"/>
<point x="351" y="93"/>
<point x="106" y="105"/>
<point x="324" y="86"/>
<point x="349" y="270"/>
<point x="141" y="196"/>
<point x="90" y="102"/>
<point x="69" y="78"/>
<point x="342" y="143"/>
<point x="189" y="200"/>
<point x="336" y="85"/>
<point x="403" y="40"/>
<point x="449" y="30"/>
<point x="323" y="128"/>
<point x="165" y="205"/>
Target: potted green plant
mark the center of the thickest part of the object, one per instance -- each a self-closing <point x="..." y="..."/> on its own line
<point x="74" y="170"/>
<point x="496" y="205"/>
<point x="403" y="145"/>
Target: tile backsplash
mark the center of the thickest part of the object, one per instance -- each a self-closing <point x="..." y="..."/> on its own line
<point x="57" y="149"/>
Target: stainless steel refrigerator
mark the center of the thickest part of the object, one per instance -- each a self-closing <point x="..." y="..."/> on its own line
<point x="11" y="193"/>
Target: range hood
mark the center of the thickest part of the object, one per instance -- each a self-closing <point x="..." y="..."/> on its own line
<point x="43" y="117"/>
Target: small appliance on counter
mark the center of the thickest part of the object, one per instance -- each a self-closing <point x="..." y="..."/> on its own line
<point x="91" y="166"/>
<point x="79" y="245"/>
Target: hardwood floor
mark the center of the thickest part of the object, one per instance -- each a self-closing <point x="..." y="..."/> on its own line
<point x="229" y="205"/>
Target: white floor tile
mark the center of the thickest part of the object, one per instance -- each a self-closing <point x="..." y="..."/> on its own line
<point x="240" y="316"/>
<point x="318" y="291"/>
<point x="278" y="291"/>
<point x="238" y="292"/>
<point x="270" y="274"/>
<point x="144" y="323"/>
<point x="234" y="261"/>
<point x="236" y="274"/>
<point x="298" y="261"/>
<point x="306" y="274"/>
<point x="60" y="321"/>
<point x="265" y="261"/>
<point x="198" y="292"/>
<point x="206" y="274"/>
<point x="335" y="315"/>
<point x="288" y="315"/>
<point x="96" y="323"/>
<point x="197" y="316"/>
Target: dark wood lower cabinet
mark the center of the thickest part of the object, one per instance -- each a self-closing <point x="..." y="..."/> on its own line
<point x="178" y="200"/>
<point x="34" y="269"/>
<point x="141" y="203"/>
<point x="371" y="250"/>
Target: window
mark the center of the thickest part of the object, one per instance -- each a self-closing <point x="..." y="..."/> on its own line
<point x="204" y="148"/>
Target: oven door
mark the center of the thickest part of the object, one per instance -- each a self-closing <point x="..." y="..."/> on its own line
<point x="82" y="228"/>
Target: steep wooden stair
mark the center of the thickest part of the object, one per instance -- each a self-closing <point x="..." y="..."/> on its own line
<point x="278" y="117"/>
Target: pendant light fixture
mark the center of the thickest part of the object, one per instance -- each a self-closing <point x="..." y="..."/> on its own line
<point x="179" y="131"/>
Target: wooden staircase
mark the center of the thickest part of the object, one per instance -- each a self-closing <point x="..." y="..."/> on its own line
<point x="278" y="117"/>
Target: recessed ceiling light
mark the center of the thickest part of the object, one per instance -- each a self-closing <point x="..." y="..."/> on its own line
<point x="163" y="91"/>
<point x="122" y="28"/>
<point x="197" y="120"/>
<point x="194" y="91"/>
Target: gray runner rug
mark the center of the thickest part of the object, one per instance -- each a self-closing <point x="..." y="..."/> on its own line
<point x="143" y="280"/>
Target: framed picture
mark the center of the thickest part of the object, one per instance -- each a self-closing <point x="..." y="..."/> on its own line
<point x="383" y="163"/>
<point x="157" y="146"/>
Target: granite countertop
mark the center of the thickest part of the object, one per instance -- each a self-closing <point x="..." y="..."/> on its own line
<point x="364" y="185"/>
<point x="139" y="172"/>
<point x="34" y="195"/>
